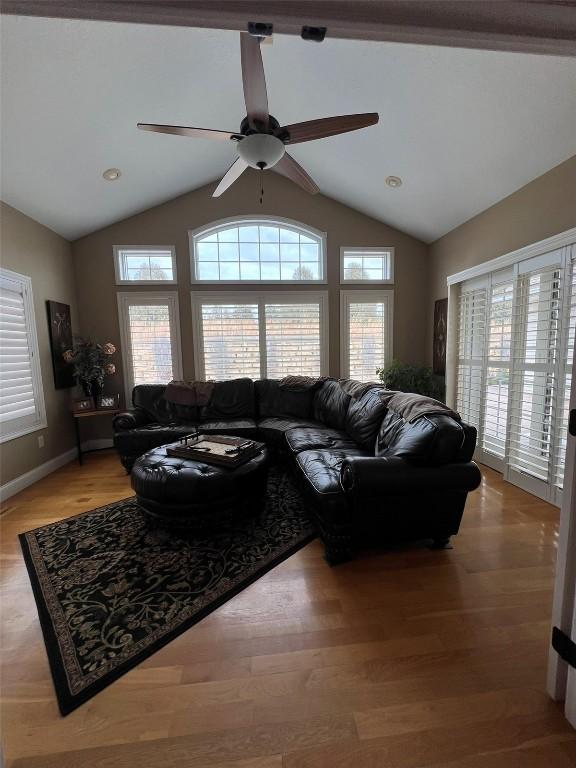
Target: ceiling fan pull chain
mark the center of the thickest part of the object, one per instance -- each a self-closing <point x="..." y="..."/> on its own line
<point x="261" y="186"/>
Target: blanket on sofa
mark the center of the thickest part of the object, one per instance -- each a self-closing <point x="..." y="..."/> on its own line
<point x="189" y="392"/>
<point x="411" y="406"/>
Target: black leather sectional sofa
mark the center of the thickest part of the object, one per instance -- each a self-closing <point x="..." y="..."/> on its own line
<point x="362" y="467"/>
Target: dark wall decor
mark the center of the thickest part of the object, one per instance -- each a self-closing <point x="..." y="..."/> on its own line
<point x="440" y="333"/>
<point x="60" y="329"/>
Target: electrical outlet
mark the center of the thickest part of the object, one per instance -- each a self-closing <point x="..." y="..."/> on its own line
<point x="40" y="441"/>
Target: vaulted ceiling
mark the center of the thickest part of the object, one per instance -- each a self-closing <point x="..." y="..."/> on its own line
<point x="462" y="128"/>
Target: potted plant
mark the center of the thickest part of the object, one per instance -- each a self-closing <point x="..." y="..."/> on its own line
<point x="92" y="364"/>
<point x="412" y="378"/>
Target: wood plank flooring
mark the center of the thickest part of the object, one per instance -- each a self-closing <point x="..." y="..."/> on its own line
<point x="400" y="659"/>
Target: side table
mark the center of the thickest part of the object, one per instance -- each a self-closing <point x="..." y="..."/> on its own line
<point x="84" y="415"/>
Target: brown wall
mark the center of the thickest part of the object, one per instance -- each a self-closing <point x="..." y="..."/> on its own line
<point x="31" y="249"/>
<point x="544" y="207"/>
<point x="169" y="224"/>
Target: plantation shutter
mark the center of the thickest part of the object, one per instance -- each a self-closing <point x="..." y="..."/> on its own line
<point x="20" y="385"/>
<point x="366" y="342"/>
<point x="471" y="344"/>
<point x="534" y="385"/>
<point x="150" y="343"/>
<point x="292" y="339"/>
<point x="566" y="374"/>
<point x="497" y="375"/>
<point x="230" y="340"/>
<point x="150" y="328"/>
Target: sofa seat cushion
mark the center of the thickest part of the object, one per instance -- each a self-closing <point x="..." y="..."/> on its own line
<point x="135" y="442"/>
<point x="273" y="429"/>
<point x="331" y="404"/>
<point x="239" y="427"/>
<point x="318" y="437"/>
<point x="364" y="417"/>
<point x="321" y="469"/>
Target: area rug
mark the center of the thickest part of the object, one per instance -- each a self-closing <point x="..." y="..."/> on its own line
<point x="112" y="588"/>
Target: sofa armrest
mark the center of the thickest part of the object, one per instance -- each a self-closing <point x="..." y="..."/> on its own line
<point x="371" y="476"/>
<point x="130" y="420"/>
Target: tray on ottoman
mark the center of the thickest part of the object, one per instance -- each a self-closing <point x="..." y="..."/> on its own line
<point x="221" y="450"/>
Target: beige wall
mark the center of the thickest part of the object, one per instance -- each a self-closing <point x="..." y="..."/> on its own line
<point x="33" y="250"/>
<point x="169" y="224"/>
<point x="542" y="208"/>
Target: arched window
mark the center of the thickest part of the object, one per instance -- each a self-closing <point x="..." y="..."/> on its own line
<point x="258" y="250"/>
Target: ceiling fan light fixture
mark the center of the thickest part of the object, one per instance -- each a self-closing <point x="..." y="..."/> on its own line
<point x="394" y="181"/>
<point x="261" y="150"/>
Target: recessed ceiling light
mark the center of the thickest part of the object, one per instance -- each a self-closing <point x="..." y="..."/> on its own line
<point x="394" y="181"/>
<point x="111" y="174"/>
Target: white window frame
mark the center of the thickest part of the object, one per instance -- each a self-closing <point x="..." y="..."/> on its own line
<point x="117" y="251"/>
<point x="153" y="298"/>
<point x="23" y="283"/>
<point x="358" y="296"/>
<point x="197" y="234"/>
<point x="346" y="250"/>
<point x="261" y="298"/>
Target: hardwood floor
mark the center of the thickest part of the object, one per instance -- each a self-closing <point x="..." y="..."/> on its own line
<point x="400" y="659"/>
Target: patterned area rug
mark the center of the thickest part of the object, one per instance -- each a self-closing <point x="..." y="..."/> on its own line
<point x="112" y="588"/>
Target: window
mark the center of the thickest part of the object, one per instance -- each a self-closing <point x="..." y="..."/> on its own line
<point x="366" y="332"/>
<point x="257" y="250"/>
<point x="21" y="394"/>
<point x="514" y="353"/>
<point x="145" y="264"/>
<point x="260" y="335"/>
<point x="366" y="265"/>
<point x="150" y="334"/>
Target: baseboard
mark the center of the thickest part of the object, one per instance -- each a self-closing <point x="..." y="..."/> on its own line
<point x="29" y="478"/>
<point x="97" y="444"/>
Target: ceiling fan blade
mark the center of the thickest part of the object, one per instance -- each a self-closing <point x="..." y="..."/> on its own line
<point x="195" y="133"/>
<point x="254" y="81"/>
<point x="234" y="172"/>
<point x="292" y="170"/>
<point x="328" y="126"/>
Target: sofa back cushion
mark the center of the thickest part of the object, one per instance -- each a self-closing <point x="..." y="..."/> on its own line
<point x="150" y="399"/>
<point x="331" y="404"/>
<point x="429" y="441"/>
<point x="364" y="417"/>
<point x="273" y="401"/>
<point x="232" y="399"/>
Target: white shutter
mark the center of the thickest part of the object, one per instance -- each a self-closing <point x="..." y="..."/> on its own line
<point x="231" y="341"/>
<point x="264" y="335"/>
<point x="150" y="338"/>
<point x="497" y="378"/>
<point x="471" y="346"/>
<point x="534" y="384"/>
<point x="366" y="317"/>
<point x="514" y="358"/>
<point x="151" y="344"/>
<point x="293" y="339"/>
<point x="21" y="395"/>
<point x="569" y="324"/>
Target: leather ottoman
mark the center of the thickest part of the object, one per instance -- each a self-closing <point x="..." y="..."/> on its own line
<point x="192" y="494"/>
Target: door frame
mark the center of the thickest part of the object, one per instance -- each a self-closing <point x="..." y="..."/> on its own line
<point x="561" y="679"/>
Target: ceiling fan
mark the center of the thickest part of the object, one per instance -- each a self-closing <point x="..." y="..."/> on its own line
<point x="261" y="141"/>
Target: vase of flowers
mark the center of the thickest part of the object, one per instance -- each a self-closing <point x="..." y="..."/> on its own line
<point x="92" y="363"/>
